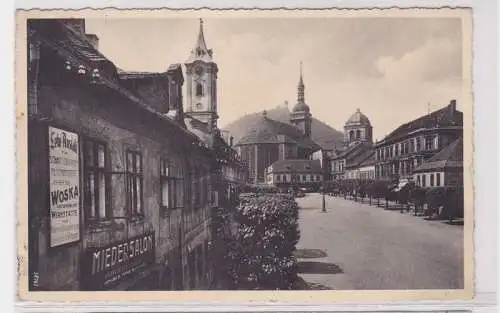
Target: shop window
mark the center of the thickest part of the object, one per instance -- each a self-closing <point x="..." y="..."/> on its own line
<point x="134" y="183"/>
<point x="96" y="181"/>
<point x="172" y="184"/>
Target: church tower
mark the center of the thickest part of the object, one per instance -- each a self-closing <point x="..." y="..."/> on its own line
<point x="201" y="83"/>
<point x="300" y="115"/>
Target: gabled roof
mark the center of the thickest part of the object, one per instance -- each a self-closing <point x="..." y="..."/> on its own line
<point x="296" y="166"/>
<point x="450" y="156"/>
<point x="444" y="117"/>
<point x="267" y="130"/>
<point x="340" y="154"/>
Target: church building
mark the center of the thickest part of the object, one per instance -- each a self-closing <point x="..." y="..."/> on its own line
<point x="268" y="140"/>
<point x="356" y="149"/>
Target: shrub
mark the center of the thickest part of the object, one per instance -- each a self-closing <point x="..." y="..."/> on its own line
<point x="266" y="237"/>
<point x="222" y="242"/>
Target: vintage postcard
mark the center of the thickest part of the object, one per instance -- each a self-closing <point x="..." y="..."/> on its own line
<point x="218" y="155"/>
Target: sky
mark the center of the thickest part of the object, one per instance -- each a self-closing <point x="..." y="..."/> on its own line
<point x="392" y="69"/>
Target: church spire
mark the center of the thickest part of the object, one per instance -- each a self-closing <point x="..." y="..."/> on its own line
<point x="200" y="50"/>
<point x="301" y="87"/>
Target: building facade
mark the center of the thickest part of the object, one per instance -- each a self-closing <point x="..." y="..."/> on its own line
<point x="295" y="173"/>
<point x="269" y="140"/>
<point x="364" y="170"/>
<point x="415" y="142"/>
<point x="120" y="190"/>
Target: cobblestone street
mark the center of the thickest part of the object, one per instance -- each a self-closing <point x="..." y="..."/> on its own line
<point x="357" y="246"/>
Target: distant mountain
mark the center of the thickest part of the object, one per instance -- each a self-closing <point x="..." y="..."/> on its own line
<point x="321" y="133"/>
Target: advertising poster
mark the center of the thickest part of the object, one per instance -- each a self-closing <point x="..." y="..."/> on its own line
<point x="64" y="187"/>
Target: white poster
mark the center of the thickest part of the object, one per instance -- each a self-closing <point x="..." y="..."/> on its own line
<point x="64" y="187"/>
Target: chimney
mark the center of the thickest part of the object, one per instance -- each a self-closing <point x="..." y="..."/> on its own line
<point x="94" y="40"/>
<point x="77" y="24"/>
<point x="231" y="141"/>
<point x="453" y="105"/>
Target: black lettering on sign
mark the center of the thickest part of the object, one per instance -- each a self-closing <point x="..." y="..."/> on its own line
<point x="63" y="195"/>
<point x="103" y="267"/>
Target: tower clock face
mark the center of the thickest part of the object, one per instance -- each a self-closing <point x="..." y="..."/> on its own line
<point x="199" y="70"/>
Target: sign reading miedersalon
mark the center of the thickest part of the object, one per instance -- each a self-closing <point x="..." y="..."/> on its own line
<point x="64" y="187"/>
<point x="103" y="268"/>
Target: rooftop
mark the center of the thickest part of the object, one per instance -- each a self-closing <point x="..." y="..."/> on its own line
<point x="296" y="166"/>
<point x="448" y="116"/>
<point x="269" y="131"/>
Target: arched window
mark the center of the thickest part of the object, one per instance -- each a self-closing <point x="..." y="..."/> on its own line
<point x="199" y="90"/>
<point x="358" y="134"/>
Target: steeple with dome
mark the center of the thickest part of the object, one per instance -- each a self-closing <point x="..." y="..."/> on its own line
<point x="300" y="116"/>
<point x="358" y="128"/>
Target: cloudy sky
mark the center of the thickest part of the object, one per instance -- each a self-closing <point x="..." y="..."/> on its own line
<point x="389" y="68"/>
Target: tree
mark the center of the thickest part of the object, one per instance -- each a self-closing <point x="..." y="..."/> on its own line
<point x="435" y="198"/>
<point x="417" y="196"/>
<point x="266" y="237"/>
<point x="403" y="196"/>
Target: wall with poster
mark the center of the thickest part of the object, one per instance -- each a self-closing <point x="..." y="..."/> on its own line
<point x="64" y="181"/>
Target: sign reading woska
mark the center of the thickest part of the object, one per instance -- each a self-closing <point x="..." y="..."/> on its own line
<point x="103" y="268"/>
<point x="64" y="187"/>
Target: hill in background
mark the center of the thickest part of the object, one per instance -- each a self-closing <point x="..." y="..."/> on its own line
<point x="321" y="133"/>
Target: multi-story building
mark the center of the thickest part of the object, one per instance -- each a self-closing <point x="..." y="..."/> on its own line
<point x="413" y="143"/>
<point x="121" y="181"/>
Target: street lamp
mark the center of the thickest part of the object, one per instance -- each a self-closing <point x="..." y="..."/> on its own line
<point x="323" y="207"/>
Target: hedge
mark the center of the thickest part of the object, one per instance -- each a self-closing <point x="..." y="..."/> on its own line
<point x="265" y="240"/>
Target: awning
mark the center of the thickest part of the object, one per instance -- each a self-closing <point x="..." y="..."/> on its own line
<point x="400" y="186"/>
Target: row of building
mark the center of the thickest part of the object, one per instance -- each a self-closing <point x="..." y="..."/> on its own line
<point x="122" y="181"/>
<point x="427" y="150"/>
